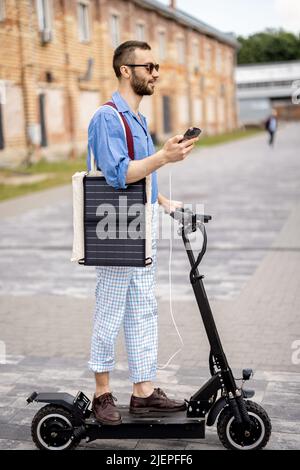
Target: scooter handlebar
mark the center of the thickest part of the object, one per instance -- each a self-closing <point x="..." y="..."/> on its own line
<point x="185" y="216"/>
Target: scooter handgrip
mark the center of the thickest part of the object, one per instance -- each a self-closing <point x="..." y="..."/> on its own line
<point x="180" y="214"/>
<point x="175" y="214"/>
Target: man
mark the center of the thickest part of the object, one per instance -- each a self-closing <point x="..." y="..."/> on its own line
<point x="126" y="294"/>
<point x="271" y="126"/>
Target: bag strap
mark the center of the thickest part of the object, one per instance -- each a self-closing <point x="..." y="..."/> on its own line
<point x="129" y="136"/>
<point x="127" y="133"/>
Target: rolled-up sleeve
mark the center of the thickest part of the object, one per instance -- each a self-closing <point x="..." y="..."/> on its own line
<point x="107" y="141"/>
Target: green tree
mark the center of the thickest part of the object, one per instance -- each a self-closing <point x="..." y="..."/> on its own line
<point x="269" y="46"/>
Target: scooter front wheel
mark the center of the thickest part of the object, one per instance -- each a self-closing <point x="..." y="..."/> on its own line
<point x="238" y="437"/>
<point x="53" y="429"/>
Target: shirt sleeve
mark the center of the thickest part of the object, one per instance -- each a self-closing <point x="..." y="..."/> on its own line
<point x="107" y="141"/>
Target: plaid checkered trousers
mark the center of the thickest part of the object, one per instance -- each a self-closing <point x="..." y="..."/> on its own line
<point x="126" y="295"/>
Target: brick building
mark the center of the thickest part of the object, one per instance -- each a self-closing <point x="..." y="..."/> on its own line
<point x="56" y="69"/>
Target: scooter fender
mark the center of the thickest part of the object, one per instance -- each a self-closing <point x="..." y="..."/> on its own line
<point x="54" y="398"/>
<point x="215" y="410"/>
<point x="220" y="404"/>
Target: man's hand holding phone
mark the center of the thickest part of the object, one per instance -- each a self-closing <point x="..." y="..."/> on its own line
<point x="175" y="149"/>
<point x="178" y="148"/>
<point x="191" y="133"/>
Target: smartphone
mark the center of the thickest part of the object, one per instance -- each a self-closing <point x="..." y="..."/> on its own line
<point x="191" y="133"/>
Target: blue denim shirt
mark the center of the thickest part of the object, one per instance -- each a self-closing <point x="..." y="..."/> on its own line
<point x="107" y="140"/>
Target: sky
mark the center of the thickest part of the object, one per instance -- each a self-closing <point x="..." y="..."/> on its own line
<point x="244" y="17"/>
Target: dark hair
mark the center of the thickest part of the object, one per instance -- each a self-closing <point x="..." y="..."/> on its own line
<point x="124" y="54"/>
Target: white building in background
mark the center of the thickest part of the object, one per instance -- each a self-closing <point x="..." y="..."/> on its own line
<point x="261" y="87"/>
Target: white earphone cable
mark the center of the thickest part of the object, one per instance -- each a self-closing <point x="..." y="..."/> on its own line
<point x="170" y="284"/>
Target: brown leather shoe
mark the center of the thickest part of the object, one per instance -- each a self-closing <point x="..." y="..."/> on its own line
<point x="158" y="401"/>
<point x="105" y="410"/>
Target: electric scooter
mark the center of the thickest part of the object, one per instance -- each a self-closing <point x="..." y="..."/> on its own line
<point x="241" y="424"/>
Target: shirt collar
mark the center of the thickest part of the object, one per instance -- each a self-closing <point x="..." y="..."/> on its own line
<point x="123" y="106"/>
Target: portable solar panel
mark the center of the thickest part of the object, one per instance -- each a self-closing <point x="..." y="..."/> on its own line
<point x="112" y="227"/>
<point x="114" y="224"/>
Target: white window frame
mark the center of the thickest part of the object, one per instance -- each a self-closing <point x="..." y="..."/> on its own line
<point x="140" y="31"/>
<point x="83" y="18"/>
<point x="44" y="12"/>
<point x="115" y="29"/>
<point x="180" y="43"/>
<point x="2" y="10"/>
<point x="162" y="49"/>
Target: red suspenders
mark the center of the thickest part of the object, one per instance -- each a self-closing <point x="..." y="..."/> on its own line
<point x="129" y="136"/>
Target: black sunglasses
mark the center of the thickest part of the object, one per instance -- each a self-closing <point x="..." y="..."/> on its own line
<point x="150" y="66"/>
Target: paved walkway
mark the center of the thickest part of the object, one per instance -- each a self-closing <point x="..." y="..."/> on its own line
<point x="252" y="277"/>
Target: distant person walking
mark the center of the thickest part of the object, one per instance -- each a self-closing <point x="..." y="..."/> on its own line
<point x="271" y="126"/>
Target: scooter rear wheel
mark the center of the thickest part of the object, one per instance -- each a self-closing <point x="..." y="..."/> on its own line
<point x="237" y="437"/>
<point x="53" y="429"/>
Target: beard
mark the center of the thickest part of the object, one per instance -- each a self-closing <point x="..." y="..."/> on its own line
<point x="141" y="85"/>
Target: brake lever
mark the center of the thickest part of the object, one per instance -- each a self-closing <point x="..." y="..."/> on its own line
<point x="186" y="220"/>
<point x="189" y="221"/>
<point x="180" y="214"/>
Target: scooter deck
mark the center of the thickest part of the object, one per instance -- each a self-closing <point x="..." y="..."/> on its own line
<point x="155" y="425"/>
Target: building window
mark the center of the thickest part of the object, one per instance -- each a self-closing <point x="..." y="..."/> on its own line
<point x="184" y="109"/>
<point x="2" y="10"/>
<point x="197" y="111"/>
<point x="219" y="60"/>
<point x="196" y="58"/>
<point x="229" y="63"/>
<point x="42" y="109"/>
<point x="166" y="102"/>
<point x="270" y="84"/>
<point x="83" y="22"/>
<point x="140" y="32"/>
<point x="44" y="15"/>
<point x="162" y="45"/>
<point x="208" y="56"/>
<point x="202" y="84"/>
<point x="115" y="30"/>
<point x="210" y="109"/>
<point x="181" y="50"/>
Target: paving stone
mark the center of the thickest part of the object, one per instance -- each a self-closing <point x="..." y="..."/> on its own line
<point x="6" y="413"/>
<point x="15" y="432"/>
<point x="283" y="426"/>
<point x="290" y="412"/>
<point x="11" y="444"/>
<point x="160" y="444"/>
<point x="284" y="441"/>
<point x="110" y="444"/>
<point x="25" y="446"/>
